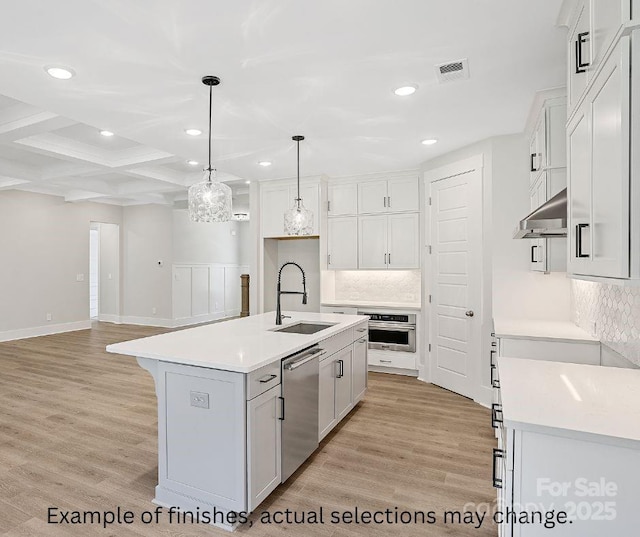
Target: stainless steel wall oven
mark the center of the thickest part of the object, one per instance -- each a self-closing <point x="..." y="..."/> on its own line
<point x="392" y="331"/>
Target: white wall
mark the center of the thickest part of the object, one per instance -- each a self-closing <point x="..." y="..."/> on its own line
<point x="148" y="238"/>
<point x="44" y="244"/>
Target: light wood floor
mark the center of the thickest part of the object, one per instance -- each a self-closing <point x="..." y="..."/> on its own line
<point x="78" y="431"/>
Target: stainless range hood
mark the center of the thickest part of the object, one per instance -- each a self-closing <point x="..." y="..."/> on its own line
<point x="548" y="220"/>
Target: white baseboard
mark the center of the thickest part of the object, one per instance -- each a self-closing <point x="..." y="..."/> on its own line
<point x="171" y="323"/>
<point x="146" y="321"/>
<point x="46" y="330"/>
<point x="188" y="321"/>
<point x="109" y="318"/>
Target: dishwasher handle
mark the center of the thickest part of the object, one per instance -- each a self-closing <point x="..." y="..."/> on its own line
<point x="303" y="359"/>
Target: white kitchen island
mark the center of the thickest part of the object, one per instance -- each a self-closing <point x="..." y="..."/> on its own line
<point x="220" y="405"/>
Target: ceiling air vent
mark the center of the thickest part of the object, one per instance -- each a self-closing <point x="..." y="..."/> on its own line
<point x="447" y="72"/>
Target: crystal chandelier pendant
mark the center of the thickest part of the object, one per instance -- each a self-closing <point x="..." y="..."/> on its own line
<point x="210" y="201"/>
<point x="298" y="220"/>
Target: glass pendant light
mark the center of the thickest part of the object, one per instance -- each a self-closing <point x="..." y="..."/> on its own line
<point x="298" y="220"/>
<point x="210" y="200"/>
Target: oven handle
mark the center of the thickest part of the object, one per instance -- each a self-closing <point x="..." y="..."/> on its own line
<point x="392" y="327"/>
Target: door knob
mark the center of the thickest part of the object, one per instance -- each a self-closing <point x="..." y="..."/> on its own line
<point x="470" y="313"/>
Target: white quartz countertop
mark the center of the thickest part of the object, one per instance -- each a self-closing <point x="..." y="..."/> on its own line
<point x="577" y="399"/>
<point x="535" y="329"/>
<point x="240" y="345"/>
<point x="409" y="306"/>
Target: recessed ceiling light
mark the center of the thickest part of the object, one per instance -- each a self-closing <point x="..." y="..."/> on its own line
<point x="247" y="182"/>
<point x="61" y="73"/>
<point x="106" y="133"/>
<point x="264" y="163"/>
<point x="404" y="91"/>
<point x="429" y="141"/>
<point x="192" y="162"/>
<point x="193" y="132"/>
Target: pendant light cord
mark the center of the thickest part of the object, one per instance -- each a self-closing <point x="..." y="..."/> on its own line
<point x="210" y="114"/>
<point x="298" y="198"/>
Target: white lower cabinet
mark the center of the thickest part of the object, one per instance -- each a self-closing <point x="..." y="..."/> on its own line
<point x="343" y="381"/>
<point x="264" y="448"/>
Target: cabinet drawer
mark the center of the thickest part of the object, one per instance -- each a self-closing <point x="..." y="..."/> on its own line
<point x="555" y="351"/>
<point x="335" y="343"/>
<point x="263" y="379"/>
<point x="392" y="359"/>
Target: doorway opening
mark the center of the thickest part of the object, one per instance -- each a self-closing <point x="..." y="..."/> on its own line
<point x="94" y="271"/>
<point x="104" y="272"/>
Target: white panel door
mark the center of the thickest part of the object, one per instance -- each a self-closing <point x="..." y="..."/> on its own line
<point x="199" y="291"/>
<point x="609" y="99"/>
<point x="342" y="242"/>
<point x="181" y="292"/>
<point x="343" y="199"/>
<point x="372" y="242"/>
<point x="372" y="197"/>
<point x="403" y="250"/>
<point x="264" y="446"/>
<point x="456" y="279"/>
<point x="275" y="201"/>
<point x="403" y="194"/>
<point x="579" y="190"/>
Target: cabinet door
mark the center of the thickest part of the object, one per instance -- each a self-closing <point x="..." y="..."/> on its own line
<point x="610" y="108"/>
<point x="607" y="18"/>
<point x="403" y="250"/>
<point x="275" y="201"/>
<point x="579" y="190"/>
<point x="578" y="54"/>
<point x="342" y="242"/>
<point x="343" y="366"/>
<point x="372" y="242"/>
<point x="343" y="199"/>
<point x="310" y="195"/>
<point x="534" y="168"/>
<point x="538" y="246"/>
<point x="264" y="446"/>
<point x="556" y="248"/>
<point x="403" y="194"/>
<point x="360" y="365"/>
<point x="327" y="397"/>
<point x="372" y="197"/>
<point x="557" y="137"/>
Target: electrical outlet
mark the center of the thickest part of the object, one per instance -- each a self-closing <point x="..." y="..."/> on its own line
<point x="49" y="317"/>
<point x="199" y="399"/>
<point x="79" y="277"/>
<point x="154" y="310"/>
<point x="594" y="328"/>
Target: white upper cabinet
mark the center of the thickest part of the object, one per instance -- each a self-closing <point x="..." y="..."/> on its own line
<point x="276" y="199"/>
<point x="400" y="194"/>
<point x="372" y="197"/>
<point x="389" y="242"/>
<point x="594" y="27"/>
<point x="343" y="199"/>
<point x="342" y="243"/>
<point x="599" y="174"/>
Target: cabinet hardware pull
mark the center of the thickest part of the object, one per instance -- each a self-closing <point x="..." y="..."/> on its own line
<point x="329" y="206"/>
<point x="328" y="259"/>
<point x="496" y="410"/>
<point x="495" y="383"/>
<point x="267" y="378"/>
<point x="532" y="166"/>
<point x="363" y="340"/>
<point x="491" y="356"/>
<point x="386" y="361"/>
<point x="389" y="201"/>
<point x="580" y="65"/>
<point x="389" y="258"/>
<point x="385" y="259"/>
<point x="384" y="201"/>
<point x="281" y="418"/>
<point x="533" y="254"/>
<point x="362" y="329"/>
<point x="340" y="369"/>
<point x="497" y="454"/>
<point x="579" y="228"/>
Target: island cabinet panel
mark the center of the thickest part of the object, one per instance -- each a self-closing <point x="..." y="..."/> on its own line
<point x="204" y="434"/>
<point x="264" y="449"/>
<point x="343" y="374"/>
<point x="327" y="397"/>
<point x="359" y="371"/>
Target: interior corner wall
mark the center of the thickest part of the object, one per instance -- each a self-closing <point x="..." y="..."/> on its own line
<point x="518" y="292"/>
<point x="44" y="244"/>
<point x="148" y="240"/>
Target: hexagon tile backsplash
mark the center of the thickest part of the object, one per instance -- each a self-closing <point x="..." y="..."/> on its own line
<point x="615" y="311"/>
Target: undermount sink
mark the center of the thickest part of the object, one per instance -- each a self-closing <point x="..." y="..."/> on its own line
<point x="304" y="328"/>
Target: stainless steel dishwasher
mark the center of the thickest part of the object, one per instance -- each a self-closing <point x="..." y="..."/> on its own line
<point x="300" y="378"/>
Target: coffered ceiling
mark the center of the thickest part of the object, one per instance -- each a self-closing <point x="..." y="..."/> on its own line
<point x="326" y="69"/>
